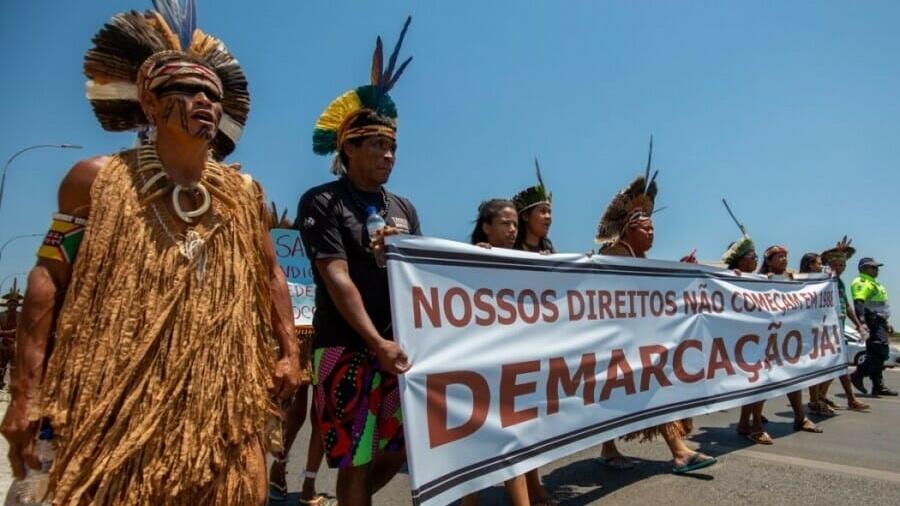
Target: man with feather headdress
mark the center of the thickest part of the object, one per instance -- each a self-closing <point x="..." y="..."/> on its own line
<point x="626" y="229"/>
<point x="355" y="358"/>
<point x="160" y="284"/>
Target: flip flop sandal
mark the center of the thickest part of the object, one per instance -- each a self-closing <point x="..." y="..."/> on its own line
<point x="761" y="438"/>
<point x="617" y="463"/>
<point x="696" y="461"/>
<point x="319" y="500"/>
<point x="830" y="403"/>
<point x="277" y="493"/>
<point x="860" y="406"/>
<point x="808" y="426"/>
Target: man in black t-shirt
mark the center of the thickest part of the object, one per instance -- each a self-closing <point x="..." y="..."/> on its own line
<point x="355" y="360"/>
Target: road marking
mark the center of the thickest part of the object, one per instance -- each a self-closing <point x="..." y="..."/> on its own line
<point x="862" y="472"/>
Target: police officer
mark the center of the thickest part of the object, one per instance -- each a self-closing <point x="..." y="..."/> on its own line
<point x="870" y="300"/>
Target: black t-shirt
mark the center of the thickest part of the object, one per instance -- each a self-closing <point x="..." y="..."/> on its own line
<point x="332" y="223"/>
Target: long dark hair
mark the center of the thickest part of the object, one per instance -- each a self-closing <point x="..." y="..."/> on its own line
<point x="807" y="261"/>
<point x="487" y="211"/>
<point x="544" y="243"/>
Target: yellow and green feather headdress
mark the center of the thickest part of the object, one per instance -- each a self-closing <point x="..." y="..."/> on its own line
<point x="333" y="126"/>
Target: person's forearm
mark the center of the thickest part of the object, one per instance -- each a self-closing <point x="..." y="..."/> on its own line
<point x="859" y="309"/>
<point x="33" y="336"/>
<point x="283" y="315"/>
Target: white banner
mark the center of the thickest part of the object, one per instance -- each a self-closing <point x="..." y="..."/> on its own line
<point x="520" y="359"/>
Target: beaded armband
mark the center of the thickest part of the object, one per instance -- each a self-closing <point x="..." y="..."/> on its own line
<point x="63" y="239"/>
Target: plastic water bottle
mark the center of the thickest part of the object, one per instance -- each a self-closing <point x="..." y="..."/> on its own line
<point x="34" y="486"/>
<point x="374" y="223"/>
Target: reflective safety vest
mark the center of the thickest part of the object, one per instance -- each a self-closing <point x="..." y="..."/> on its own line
<point x="873" y="294"/>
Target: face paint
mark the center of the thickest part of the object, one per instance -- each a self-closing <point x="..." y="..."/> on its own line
<point x="191" y="110"/>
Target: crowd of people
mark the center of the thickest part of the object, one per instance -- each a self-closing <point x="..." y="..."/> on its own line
<point x="156" y="335"/>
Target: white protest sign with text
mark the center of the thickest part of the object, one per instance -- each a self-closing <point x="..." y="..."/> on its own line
<point x="519" y="359"/>
<point x="295" y="264"/>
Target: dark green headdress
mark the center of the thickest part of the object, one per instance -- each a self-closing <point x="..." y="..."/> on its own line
<point x="533" y="196"/>
<point x="742" y="246"/>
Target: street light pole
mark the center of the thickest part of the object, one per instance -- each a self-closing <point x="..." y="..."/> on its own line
<point x="13" y="239"/>
<point x="29" y="148"/>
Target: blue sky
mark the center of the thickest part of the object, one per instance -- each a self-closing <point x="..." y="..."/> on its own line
<point x="788" y="109"/>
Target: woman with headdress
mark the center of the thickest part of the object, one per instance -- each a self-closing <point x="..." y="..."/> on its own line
<point x="741" y="257"/>
<point x="533" y="207"/>
<point x="774" y="266"/>
<point x="835" y="259"/>
<point x="496" y="227"/>
<point x="626" y="229"/>
<point x="535" y="217"/>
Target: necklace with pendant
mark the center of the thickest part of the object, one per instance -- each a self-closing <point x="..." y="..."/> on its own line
<point x="191" y="244"/>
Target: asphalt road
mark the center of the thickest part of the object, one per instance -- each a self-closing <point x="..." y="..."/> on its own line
<point x="855" y="461"/>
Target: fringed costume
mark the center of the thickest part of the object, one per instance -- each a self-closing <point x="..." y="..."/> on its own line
<point x="158" y="385"/>
<point x="628" y="209"/>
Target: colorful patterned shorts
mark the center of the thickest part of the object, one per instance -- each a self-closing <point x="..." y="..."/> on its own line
<point x="357" y="406"/>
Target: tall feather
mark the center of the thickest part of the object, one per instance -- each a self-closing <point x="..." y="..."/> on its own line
<point x="393" y="60"/>
<point x="647" y="180"/>
<point x="182" y="20"/>
<point x="733" y="217"/>
<point x="537" y="167"/>
<point x="398" y="74"/>
<point x="377" y="64"/>
<point x="388" y="78"/>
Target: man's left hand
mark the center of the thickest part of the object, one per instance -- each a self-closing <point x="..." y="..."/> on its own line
<point x="286" y="378"/>
<point x="378" y="248"/>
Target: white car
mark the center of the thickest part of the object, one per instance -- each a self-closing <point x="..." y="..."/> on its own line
<point x="856" y="349"/>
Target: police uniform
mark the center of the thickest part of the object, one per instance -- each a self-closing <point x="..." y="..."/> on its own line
<point x="871" y="303"/>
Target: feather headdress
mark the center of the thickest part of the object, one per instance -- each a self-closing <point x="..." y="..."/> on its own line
<point x="633" y="202"/>
<point x="132" y="40"/>
<point x="841" y="251"/>
<point x="740" y="247"/>
<point x="534" y="195"/>
<point x="12" y="295"/>
<point x="334" y="124"/>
